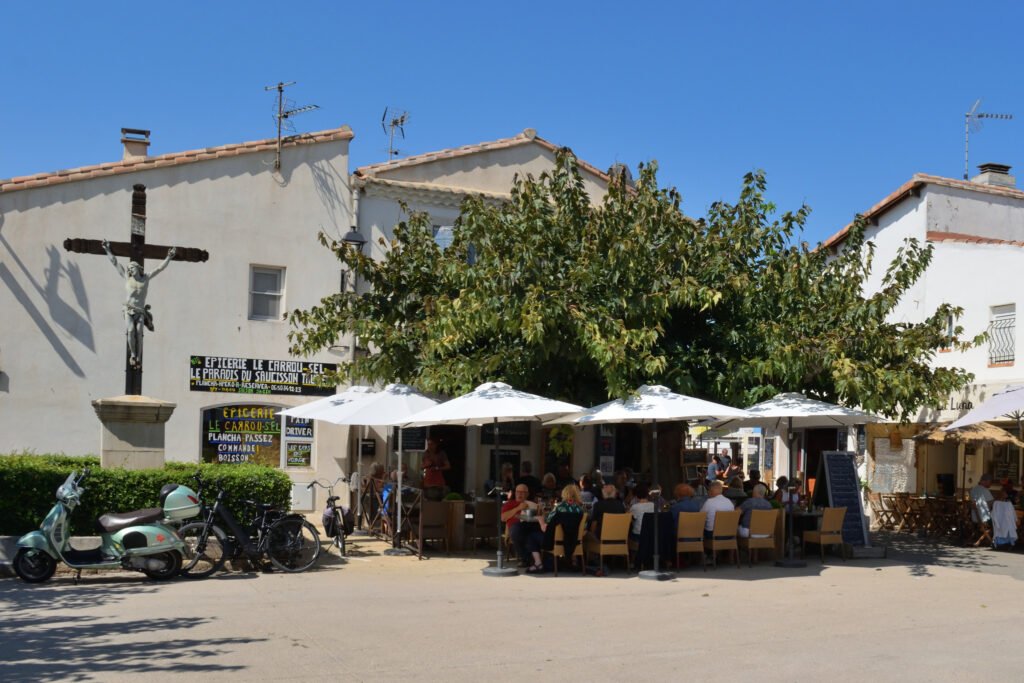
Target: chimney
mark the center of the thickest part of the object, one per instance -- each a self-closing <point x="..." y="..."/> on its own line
<point x="994" y="174"/>
<point x="136" y="143"/>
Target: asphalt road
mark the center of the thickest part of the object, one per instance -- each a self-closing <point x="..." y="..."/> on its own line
<point x="926" y="613"/>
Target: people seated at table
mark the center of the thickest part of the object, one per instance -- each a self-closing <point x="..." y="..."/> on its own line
<point x="781" y="485"/>
<point x="549" y="486"/>
<point x="518" y="528"/>
<point x="407" y="481"/>
<point x="641" y="505"/>
<point x="715" y="503"/>
<point x="587" y="492"/>
<point x="565" y="476"/>
<point x="569" y="513"/>
<point x="982" y="499"/>
<point x="685" y="502"/>
<point x="609" y="503"/>
<point x="733" y="469"/>
<point x="753" y="479"/>
<point x="505" y="486"/>
<point x="755" y="502"/>
<point x="526" y="477"/>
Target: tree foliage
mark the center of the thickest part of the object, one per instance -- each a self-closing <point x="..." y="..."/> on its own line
<point x="582" y="300"/>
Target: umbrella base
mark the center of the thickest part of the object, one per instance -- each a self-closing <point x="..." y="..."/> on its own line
<point x="500" y="571"/>
<point x="397" y="551"/>
<point x="652" y="575"/>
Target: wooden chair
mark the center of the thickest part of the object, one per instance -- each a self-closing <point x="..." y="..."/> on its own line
<point x="830" y="533"/>
<point x="690" y="536"/>
<point x="762" y="533"/>
<point x="485" y="522"/>
<point x="614" y="541"/>
<point x="723" y="536"/>
<point x="888" y="502"/>
<point x="433" y="525"/>
<point x="883" y="517"/>
<point x="558" y="551"/>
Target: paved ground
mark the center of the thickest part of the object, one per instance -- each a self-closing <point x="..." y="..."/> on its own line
<point x="926" y="613"/>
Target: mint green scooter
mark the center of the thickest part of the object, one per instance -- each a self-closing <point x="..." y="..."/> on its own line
<point x="129" y="540"/>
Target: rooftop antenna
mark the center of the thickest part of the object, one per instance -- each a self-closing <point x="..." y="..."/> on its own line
<point x="972" y="122"/>
<point x="285" y="110"/>
<point x="393" y="120"/>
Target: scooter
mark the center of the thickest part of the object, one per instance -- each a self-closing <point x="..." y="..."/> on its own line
<point x="135" y="540"/>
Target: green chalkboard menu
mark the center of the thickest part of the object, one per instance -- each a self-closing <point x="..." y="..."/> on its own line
<point x="839" y="486"/>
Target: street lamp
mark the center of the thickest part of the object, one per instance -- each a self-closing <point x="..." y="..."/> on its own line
<point x="355" y="239"/>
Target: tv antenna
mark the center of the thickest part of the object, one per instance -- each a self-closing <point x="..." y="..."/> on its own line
<point x="286" y="109"/>
<point x="972" y="122"/>
<point x="396" y="122"/>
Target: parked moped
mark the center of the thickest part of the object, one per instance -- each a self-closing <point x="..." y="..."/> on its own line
<point x="129" y="540"/>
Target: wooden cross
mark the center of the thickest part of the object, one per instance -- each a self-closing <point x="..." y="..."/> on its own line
<point x="137" y="251"/>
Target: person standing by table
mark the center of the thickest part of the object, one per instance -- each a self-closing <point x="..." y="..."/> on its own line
<point x="435" y="464"/>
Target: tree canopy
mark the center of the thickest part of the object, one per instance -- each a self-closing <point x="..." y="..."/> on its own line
<point x="581" y="300"/>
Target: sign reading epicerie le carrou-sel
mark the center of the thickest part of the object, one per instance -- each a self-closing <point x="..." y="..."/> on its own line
<point x="259" y="376"/>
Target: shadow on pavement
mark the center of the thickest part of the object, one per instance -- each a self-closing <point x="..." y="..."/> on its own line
<point x="920" y="554"/>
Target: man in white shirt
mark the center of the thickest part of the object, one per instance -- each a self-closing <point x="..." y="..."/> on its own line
<point x="982" y="499"/>
<point x="716" y="502"/>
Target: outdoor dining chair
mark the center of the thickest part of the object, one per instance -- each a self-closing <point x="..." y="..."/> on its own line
<point x="558" y="550"/>
<point x="830" y="533"/>
<point x="883" y="518"/>
<point x="484" y="524"/>
<point x="723" y="536"/>
<point x="433" y="525"/>
<point x="614" y="541"/>
<point x="762" y="533"/>
<point x="690" y="536"/>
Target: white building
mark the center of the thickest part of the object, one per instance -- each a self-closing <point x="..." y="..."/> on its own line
<point x="977" y="230"/>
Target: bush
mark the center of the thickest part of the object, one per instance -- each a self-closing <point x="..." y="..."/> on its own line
<point x="30" y="482"/>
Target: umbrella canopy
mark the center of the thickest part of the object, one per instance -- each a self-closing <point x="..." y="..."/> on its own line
<point x="1009" y="401"/>
<point x="652" y="404"/>
<point x="973" y="434"/>
<point x="492" y="402"/>
<point x="796" y="411"/>
<point x="392" y="405"/>
<point x="328" y="404"/>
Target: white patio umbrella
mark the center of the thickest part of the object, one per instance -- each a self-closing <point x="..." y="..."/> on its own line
<point x="494" y="402"/>
<point x="391" y="406"/>
<point x="1009" y="402"/>
<point x="797" y="411"/>
<point x="649" y="405"/>
<point x="340" y="401"/>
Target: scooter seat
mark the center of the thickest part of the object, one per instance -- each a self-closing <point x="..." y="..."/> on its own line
<point x="115" y="521"/>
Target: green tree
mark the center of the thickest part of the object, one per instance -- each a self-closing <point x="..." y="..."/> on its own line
<point x="582" y="300"/>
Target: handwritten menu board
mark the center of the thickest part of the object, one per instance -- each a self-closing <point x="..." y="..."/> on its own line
<point x="242" y="434"/>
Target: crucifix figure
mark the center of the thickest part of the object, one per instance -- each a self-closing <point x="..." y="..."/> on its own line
<point x="136" y="312"/>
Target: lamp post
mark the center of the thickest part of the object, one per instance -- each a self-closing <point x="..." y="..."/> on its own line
<point x="355" y="239"/>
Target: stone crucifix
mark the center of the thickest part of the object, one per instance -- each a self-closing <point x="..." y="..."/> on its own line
<point x="136" y="312"/>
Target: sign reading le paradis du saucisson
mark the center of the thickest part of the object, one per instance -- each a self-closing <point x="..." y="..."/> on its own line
<point x="259" y="376"/>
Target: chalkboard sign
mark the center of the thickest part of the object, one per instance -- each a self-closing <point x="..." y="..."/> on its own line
<point x="413" y="438"/>
<point x="511" y="433"/>
<point x="839" y="486"/>
<point x="693" y="456"/>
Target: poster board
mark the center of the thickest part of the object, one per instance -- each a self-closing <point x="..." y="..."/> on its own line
<point x="894" y="470"/>
<point x="839" y="486"/>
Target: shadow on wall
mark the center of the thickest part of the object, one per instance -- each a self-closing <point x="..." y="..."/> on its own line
<point x="329" y="185"/>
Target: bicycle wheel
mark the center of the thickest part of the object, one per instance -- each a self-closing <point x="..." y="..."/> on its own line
<point x="339" y="538"/>
<point x="293" y="544"/>
<point x="206" y="549"/>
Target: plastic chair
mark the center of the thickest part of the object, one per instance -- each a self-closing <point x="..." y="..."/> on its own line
<point x="433" y="525"/>
<point x="558" y="549"/>
<point x="831" y="532"/>
<point x="485" y="522"/>
<point x="614" y="541"/>
<point x="724" y="535"/>
<point x="762" y="533"/>
<point x="690" y="535"/>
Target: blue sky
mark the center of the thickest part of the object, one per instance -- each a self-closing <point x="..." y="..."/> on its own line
<point x="839" y="103"/>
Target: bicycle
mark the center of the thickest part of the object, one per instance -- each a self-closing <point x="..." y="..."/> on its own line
<point x="337" y="521"/>
<point x="290" y="542"/>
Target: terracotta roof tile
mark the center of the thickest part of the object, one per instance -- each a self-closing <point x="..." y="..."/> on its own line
<point x="170" y="159"/>
<point x="907" y="188"/>
<point x="527" y="136"/>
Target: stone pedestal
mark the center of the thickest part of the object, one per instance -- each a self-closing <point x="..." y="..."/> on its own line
<point x="133" y="431"/>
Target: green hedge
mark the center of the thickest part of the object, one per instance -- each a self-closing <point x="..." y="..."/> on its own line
<point x="29" y="484"/>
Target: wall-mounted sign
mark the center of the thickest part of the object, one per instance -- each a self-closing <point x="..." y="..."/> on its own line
<point x="368" y="447"/>
<point x="242" y="434"/>
<point x="259" y="376"/>
<point x="300" y="454"/>
<point x="298" y="428"/>
<point x="413" y="438"/>
<point x="511" y="433"/>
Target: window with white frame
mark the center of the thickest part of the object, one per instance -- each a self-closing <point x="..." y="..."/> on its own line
<point x="1002" y="338"/>
<point x="266" y="293"/>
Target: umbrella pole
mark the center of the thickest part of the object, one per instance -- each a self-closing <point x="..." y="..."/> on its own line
<point x="396" y="538"/>
<point x="499" y="569"/>
<point x="790" y="561"/>
<point x="359" y="483"/>
<point x="655" y="574"/>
